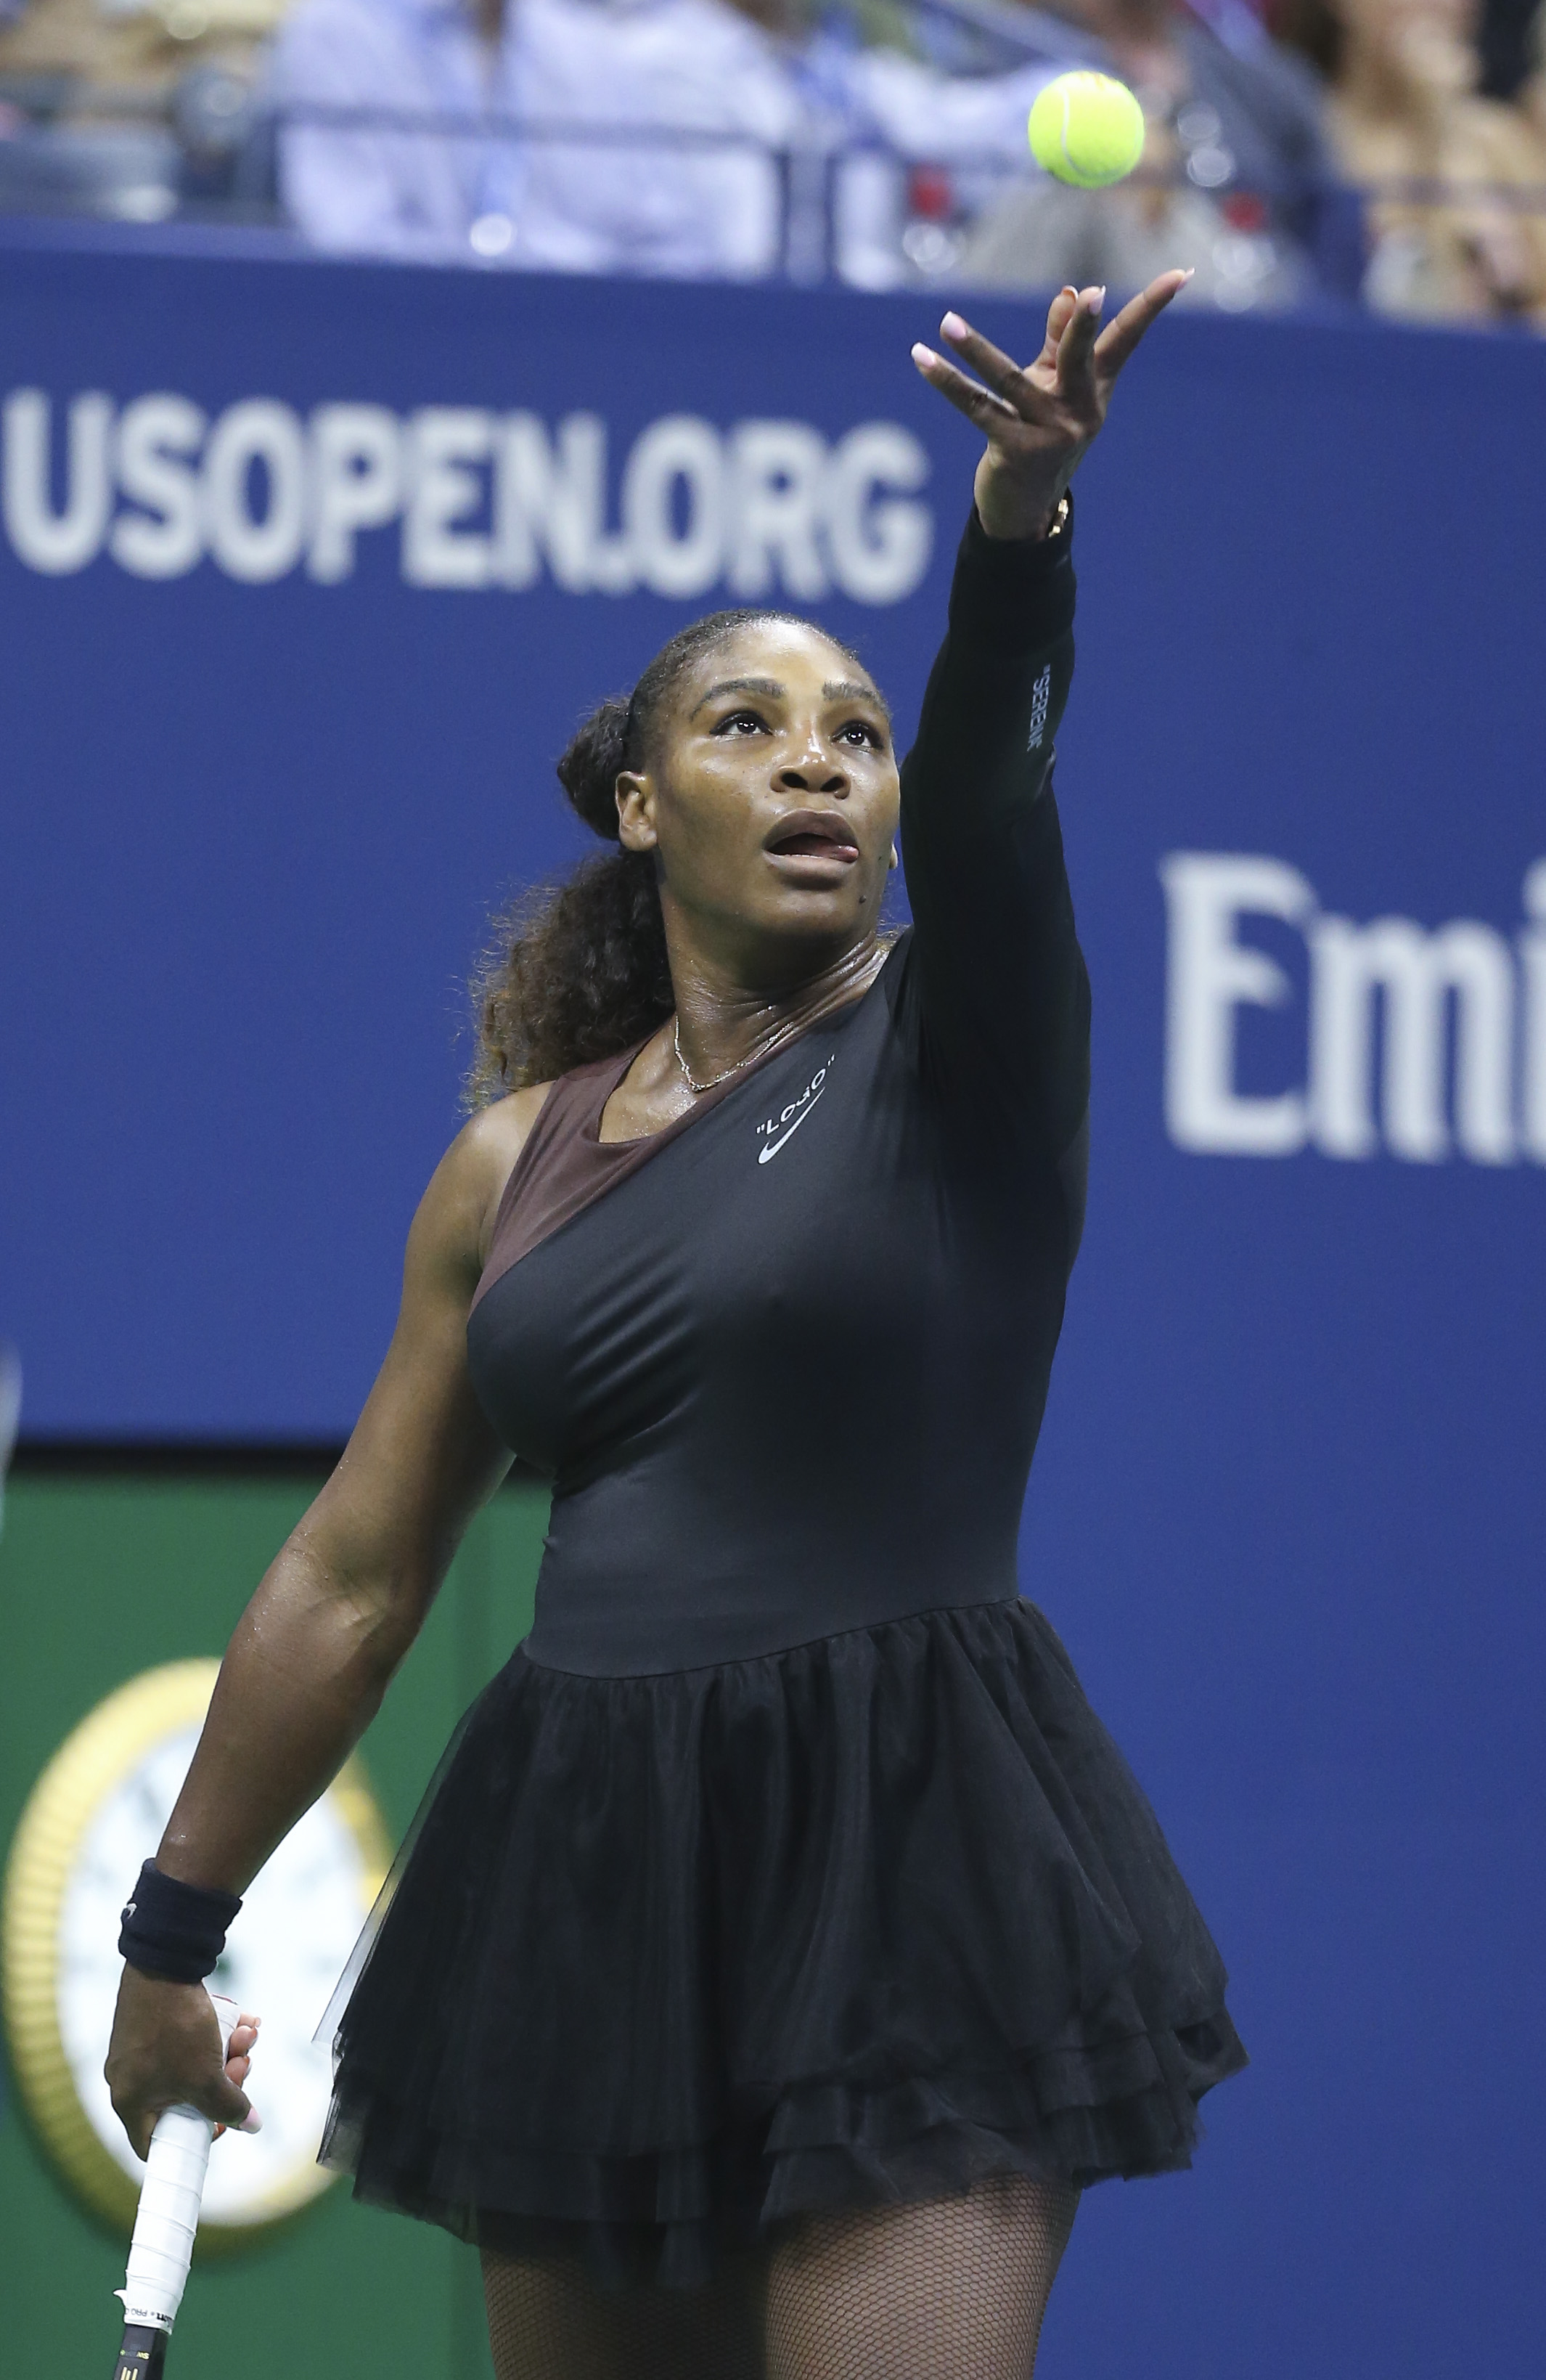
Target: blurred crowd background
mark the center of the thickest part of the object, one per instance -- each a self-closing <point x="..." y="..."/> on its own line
<point x="1384" y="153"/>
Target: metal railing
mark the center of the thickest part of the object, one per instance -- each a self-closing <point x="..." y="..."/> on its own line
<point x="207" y="153"/>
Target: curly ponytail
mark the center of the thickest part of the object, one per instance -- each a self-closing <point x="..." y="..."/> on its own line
<point x="579" y="970"/>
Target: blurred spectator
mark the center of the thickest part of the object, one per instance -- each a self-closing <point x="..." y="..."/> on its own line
<point x="1503" y="43"/>
<point x="578" y="205"/>
<point x="744" y="67"/>
<point x="126" y="108"/>
<point x="143" y="45"/>
<point x="1235" y="180"/>
<point x="1405" y="110"/>
<point x="1532" y="94"/>
<point x="80" y="42"/>
<point x="947" y="144"/>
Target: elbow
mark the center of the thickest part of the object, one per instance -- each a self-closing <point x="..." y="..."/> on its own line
<point x="360" y="1614"/>
<point x="382" y="1621"/>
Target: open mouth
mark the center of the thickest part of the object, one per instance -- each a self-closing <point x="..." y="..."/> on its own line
<point x="811" y="834"/>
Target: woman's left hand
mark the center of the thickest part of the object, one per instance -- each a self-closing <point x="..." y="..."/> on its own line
<point x="1038" y="418"/>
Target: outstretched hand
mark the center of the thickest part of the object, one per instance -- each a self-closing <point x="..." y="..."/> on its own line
<point x="1039" y="419"/>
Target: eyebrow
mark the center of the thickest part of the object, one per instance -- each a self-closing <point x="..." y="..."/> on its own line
<point x="853" y="689"/>
<point x="841" y="689"/>
<point x="769" y="685"/>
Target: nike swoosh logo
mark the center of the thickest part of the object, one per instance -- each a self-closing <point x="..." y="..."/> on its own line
<point x="771" y="1147"/>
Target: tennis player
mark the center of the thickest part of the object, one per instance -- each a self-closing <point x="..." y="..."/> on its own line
<point x="785" y="1944"/>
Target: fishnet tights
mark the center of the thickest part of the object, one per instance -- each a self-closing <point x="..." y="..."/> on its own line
<point x="950" y="2289"/>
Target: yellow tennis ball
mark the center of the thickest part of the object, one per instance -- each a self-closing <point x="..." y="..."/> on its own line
<point x="1087" y="129"/>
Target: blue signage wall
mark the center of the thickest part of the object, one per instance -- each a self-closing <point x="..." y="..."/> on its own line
<point x="306" y="573"/>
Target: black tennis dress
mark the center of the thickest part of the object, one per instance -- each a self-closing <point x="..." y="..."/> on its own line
<point x="785" y="1866"/>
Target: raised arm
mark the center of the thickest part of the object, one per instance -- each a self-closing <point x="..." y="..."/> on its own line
<point x="316" y="1647"/>
<point x="1003" y="996"/>
<point x="1001" y="991"/>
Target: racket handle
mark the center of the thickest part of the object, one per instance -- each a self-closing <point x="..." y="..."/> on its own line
<point x="142" y="2353"/>
<point x="164" y="2227"/>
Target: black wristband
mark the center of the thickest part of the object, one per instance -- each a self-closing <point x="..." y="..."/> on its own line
<point x="173" y="1930"/>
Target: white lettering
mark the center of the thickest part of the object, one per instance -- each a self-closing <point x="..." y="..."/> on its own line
<point x="257" y="434"/>
<point x="1416" y="972"/>
<point x="520" y="494"/>
<point x="764" y="506"/>
<point x="550" y="499"/>
<point x="157" y="445"/>
<point x="357" y="482"/>
<point x="777" y="474"/>
<point x="678" y="451"/>
<point x="879" y="549"/>
<point x="1211" y="975"/>
<point x="1431" y="1009"/>
<point x="56" y="543"/>
<point x="1040" y="699"/>
<point x="1532" y="954"/>
<point x="521" y="500"/>
<point x="445" y="491"/>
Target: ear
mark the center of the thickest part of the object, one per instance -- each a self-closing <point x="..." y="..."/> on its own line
<point x="894" y="860"/>
<point x="635" y="811"/>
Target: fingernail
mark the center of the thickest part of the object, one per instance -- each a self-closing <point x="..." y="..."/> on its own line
<point x="922" y="355"/>
<point x="1097" y="298"/>
<point x="952" y="327"/>
<point x="252" y="2121"/>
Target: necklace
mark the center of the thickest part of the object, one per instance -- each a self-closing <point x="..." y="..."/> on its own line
<point x="690" y="1079"/>
<point x="787" y="1031"/>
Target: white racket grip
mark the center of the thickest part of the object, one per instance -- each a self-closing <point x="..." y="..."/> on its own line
<point x="170" y="2196"/>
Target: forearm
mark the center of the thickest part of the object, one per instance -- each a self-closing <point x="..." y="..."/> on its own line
<point x="979" y="768"/>
<point x="1004" y="1001"/>
<point x="989" y="715"/>
<point x="302" y="1678"/>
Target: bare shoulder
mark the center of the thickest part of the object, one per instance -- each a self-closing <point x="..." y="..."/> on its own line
<point x="486" y="1149"/>
<point x="456" y="1217"/>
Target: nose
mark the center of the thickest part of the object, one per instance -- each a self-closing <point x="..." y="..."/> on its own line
<point x="819" y="771"/>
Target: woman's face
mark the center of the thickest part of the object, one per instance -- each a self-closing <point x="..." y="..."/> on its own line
<point x="771" y="797"/>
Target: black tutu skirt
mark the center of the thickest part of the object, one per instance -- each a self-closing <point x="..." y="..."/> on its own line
<point x="670" y="1959"/>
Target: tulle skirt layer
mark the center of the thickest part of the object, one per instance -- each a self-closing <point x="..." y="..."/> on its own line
<point x="672" y="1958"/>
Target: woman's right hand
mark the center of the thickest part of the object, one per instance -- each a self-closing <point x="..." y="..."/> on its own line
<point x="1040" y="417"/>
<point x="165" y="2053"/>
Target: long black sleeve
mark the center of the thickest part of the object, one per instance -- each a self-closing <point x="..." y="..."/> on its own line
<point x="997" y="977"/>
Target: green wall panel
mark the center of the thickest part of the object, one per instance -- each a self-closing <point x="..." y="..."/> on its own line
<point x="100" y="1578"/>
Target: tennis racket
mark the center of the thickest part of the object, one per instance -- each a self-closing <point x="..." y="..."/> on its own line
<point x="162" y="2248"/>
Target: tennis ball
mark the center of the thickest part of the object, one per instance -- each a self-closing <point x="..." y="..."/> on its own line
<point x="1087" y="129"/>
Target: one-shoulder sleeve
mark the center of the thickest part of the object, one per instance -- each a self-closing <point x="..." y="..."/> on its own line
<point x="994" y="981"/>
